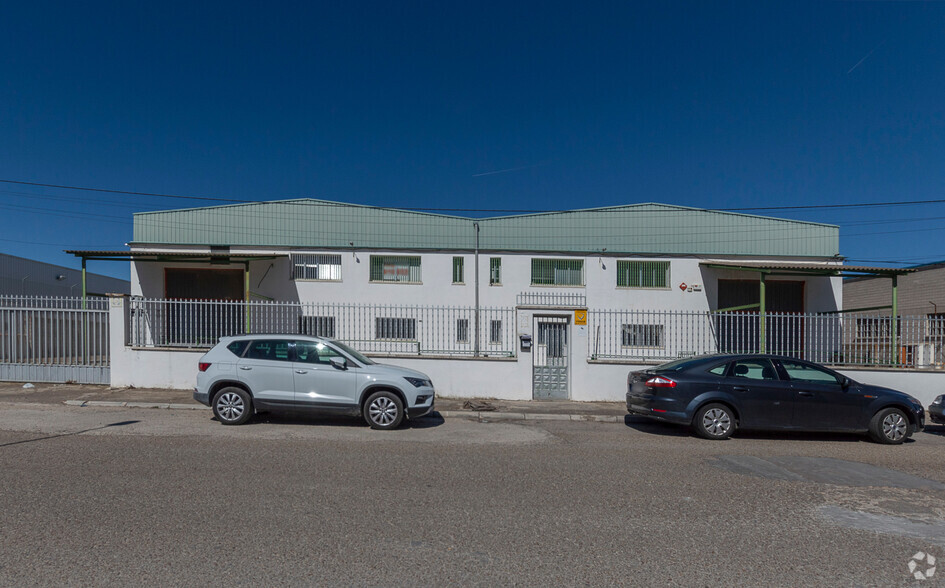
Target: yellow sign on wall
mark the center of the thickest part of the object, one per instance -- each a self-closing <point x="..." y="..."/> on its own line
<point x="580" y="317"/>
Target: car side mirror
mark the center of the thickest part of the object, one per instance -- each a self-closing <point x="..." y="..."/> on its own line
<point x="845" y="382"/>
<point x="339" y="362"/>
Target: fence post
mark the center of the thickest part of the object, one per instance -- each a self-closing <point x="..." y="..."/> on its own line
<point x="895" y="311"/>
<point x="118" y="332"/>
<point x="762" y="346"/>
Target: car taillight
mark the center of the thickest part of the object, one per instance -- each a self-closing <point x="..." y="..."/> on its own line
<point x="203" y="366"/>
<point x="660" y="382"/>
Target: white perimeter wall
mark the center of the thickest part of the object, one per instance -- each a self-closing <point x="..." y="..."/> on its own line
<point x="507" y="379"/>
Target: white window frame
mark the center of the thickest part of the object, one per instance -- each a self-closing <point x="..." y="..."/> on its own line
<point x="495" y="332"/>
<point x="397" y="266"/>
<point x="462" y="330"/>
<point x="631" y="332"/>
<point x="316" y="267"/>
<point x="643" y="263"/>
<point x="394" y="328"/>
<point x="495" y="271"/>
<point x="551" y="263"/>
<point x="319" y="326"/>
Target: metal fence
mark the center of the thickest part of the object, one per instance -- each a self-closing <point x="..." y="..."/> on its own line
<point x="829" y="338"/>
<point x="625" y="335"/>
<point x="376" y="329"/>
<point x="564" y="299"/>
<point x="54" y="339"/>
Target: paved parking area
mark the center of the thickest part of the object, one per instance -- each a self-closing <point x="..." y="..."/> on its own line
<point x="138" y="496"/>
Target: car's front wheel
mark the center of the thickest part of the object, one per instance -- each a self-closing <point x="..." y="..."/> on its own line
<point x="384" y="410"/>
<point x="232" y="406"/>
<point x="890" y="426"/>
<point x="714" y="421"/>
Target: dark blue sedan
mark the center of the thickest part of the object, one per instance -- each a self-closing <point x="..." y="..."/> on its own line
<point x="717" y="394"/>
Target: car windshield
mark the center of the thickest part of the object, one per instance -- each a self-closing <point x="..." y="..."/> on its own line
<point x="681" y="365"/>
<point x="355" y="354"/>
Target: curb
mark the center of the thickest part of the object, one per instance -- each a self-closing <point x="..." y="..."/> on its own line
<point x="481" y="416"/>
<point x="164" y="405"/>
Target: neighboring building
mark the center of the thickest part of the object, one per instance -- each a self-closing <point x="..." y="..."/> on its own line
<point x="919" y="293"/>
<point x="27" y="277"/>
<point x="920" y="312"/>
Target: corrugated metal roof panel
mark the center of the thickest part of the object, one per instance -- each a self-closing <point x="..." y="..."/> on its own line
<point x="639" y="228"/>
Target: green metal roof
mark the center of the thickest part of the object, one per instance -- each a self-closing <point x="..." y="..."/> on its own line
<point x="637" y="228"/>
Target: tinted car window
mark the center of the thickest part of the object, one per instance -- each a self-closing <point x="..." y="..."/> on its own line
<point x="270" y="349"/>
<point x="311" y="352"/>
<point x="808" y="373"/>
<point x="237" y="347"/>
<point x="719" y="370"/>
<point x="754" y="369"/>
<point x="681" y="365"/>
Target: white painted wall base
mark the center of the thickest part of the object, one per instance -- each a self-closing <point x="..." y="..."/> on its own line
<point x="503" y="379"/>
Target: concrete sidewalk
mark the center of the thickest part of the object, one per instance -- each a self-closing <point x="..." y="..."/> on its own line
<point x="483" y="409"/>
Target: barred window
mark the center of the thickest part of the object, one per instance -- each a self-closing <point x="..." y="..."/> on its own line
<point x="395" y="328"/>
<point x="495" y="271"/>
<point x="457" y="270"/>
<point x="395" y="268"/>
<point x="495" y="331"/>
<point x="462" y="330"/>
<point x="315" y="266"/>
<point x="557" y="272"/>
<point x="642" y="274"/>
<point x="936" y="324"/>
<point x="641" y="335"/>
<point x="876" y="327"/>
<point x="320" y="326"/>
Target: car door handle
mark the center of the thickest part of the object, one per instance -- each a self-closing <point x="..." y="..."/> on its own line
<point x="245" y="367"/>
<point x="301" y="371"/>
<point x="805" y="393"/>
<point x="740" y="389"/>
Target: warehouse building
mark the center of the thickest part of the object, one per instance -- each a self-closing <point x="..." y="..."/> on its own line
<point x="636" y="255"/>
<point x="555" y="292"/>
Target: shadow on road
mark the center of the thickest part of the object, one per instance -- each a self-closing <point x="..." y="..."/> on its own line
<point x="118" y="424"/>
<point x="300" y="418"/>
<point x="651" y="427"/>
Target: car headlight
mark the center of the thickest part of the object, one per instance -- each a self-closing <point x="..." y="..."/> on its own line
<point x="419" y="382"/>
<point x="938" y="399"/>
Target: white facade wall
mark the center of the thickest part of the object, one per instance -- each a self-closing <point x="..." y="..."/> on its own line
<point x="271" y="278"/>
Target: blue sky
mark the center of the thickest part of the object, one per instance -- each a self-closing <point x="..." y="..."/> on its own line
<point x="511" y="105"/>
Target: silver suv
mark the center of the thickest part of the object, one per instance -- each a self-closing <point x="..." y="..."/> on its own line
<point x="257" y="373"/>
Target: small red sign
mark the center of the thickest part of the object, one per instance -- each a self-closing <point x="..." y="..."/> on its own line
<point x="683" y="286"/>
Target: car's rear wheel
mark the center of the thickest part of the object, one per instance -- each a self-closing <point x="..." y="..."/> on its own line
<point x="232" y="406"/>
<point x="384" y="410"/>
<point x="714" y="421"/>
<point x="890" y="426"/>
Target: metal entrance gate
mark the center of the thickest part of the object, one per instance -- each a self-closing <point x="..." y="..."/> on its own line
<point x="54" y="339"/>
<point x="550" y="358"/>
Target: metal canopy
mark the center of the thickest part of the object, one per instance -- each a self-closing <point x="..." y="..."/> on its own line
<point x="165" y="256"/>
<point x="790" y="269"/>
<point x="170" y="255"/>
<point x="784" y="269"/>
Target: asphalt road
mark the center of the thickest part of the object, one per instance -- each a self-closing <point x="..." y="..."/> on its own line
<point x="120" y="496"/>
